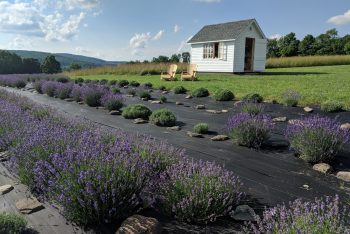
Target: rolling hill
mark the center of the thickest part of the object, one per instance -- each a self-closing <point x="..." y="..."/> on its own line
<point x="66" y="59"/>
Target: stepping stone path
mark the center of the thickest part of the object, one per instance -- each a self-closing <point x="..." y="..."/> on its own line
<point x="345" y="126"/>
<point x="174" y="128"/>
<point x="139" y="121"/>
<point x="29" y="205"/>
<point x="157" y="102"/>
<point x="220" y="138"/>
<point x="188" y="97"/>
<point x="322" y="167"/>
<point x="308" y="109"/>
<point x="344" y="175"/>
<point x="178" y="103"/>
<point x="115" y="112"/>
<point x="138" y="224"/>
<point x="200" y="107"/>
<point x="3" y="156"/>
<point x="279" y="119"/>
<point x="193" y="134"/>
<point x="5" y="189"/>
<point x="243" y="213"/>
<point x="213" y="111"/>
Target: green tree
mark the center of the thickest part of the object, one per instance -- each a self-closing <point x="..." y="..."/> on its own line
<point x="308" y="45"/>
<point x="30" y="66"/>
<point x="347" y="48"/>
<point x="175" y="58"/>
<point x="288" y="45"/>
<point x="272" y="48"/>
<point x="186" y="56"/>
<point x="51" y="65"/>
<point x="74" y="66"/>
<point x="10" y="63"/>
<point x="161" y="59"/>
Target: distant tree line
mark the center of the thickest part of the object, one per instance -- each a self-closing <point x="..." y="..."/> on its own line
<point x="175" y="58"/>
<point x="328" y="43"/>
<point x="11" y="63"/>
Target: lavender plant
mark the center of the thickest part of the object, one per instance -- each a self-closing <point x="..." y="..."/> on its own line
<point x="252" y="108"/>
<point x="322" y="216"/>
<point x="112" y="101"/>
<point x="63" y="90"/>
<point x="291" y="98"/>
<point x="76" y="93"/>
<point x="249" y="130"/>
<point x="317" y="139"/>
<point x="49" y="88"/>
<point x="197" y="191"/>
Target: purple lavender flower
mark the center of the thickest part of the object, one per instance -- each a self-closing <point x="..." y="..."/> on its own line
<point x="112" y="101"/>
<point x="49" y="88"/>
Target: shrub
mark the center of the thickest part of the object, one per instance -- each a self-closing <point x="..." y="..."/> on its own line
<point x="92" y="96"/>
<point x="201" y="128"/>
<point x="291" y="98"/>
<point x="145" y="95"/>
<point x="134" y="111"/>
<point x="180" y="90"/>
<point x="318" y="216"/>
<point x="148" y="85"/>
<point x="49" y="88"/>
<point x="63" y="90"/>
<point x="317" y="139"/>
<point x="112" y="82"/>
<point x="249" y="130"/>
<point x="162" y="87"/>
<point x="12" y="223"/>
<point x="132" y="92"/>
<point x="331" y="106"/>
<point x="253" y="98"/>
<point x="76" y="93"/>
<point x="112" y="101"/>
<point x="198" y="191"/>
<point x="79" y="80"/>
<point x="115" y="90"/>
<point x="163" y="99"/>
<point x="200" y="92"/>
<point x="252" y="108"/>
<point x="163" y="117"/>
<point x="103" y="81"/>
<point x="123" y="83"/>
<point x="37" y="85"/>
<point x="62" y="79"/>
<point x="19" y="84"/>
<point x="134" y="83"/>
<point x="223" y="95"/>
<point x="87" y="81"/>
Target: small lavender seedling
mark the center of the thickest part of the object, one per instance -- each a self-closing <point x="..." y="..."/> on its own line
<point x="291" y="98"/>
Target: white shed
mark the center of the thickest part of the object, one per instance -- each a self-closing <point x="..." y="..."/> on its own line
<point x="229" y="47"/>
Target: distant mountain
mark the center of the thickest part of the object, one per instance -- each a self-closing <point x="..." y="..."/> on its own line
<point x="66" y="59"/>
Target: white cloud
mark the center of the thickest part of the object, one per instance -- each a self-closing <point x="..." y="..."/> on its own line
<point x="183" y="45"/>
<point x="78" y="4"/>
<point x="19" y="43"/>
<point x="158" y="35"/>
<point x="139" y="42"/>
<point x="207" y="1"/>
<point x="340" y="19"/>
<point x="275" y="36"/>
<point x="176" y="28"/>
<point x="80" y="50"/>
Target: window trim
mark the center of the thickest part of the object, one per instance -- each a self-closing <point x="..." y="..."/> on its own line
<point x="210" y="53"/>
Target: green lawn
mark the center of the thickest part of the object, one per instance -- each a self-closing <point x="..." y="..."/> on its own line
<point x="316" y="84"/>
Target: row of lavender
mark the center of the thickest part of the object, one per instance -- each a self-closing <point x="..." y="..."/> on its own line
<point x="100" y="175"/>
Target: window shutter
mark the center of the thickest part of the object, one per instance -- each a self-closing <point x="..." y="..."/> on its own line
<point x="222" y="51"/>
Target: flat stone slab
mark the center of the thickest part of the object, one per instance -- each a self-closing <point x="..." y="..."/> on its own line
<point x="178" y="103"/>
<point x="200" y="107"/>
<point x="243" y="213"/>
<point x="144" y="99"/>
<point x="224" y="111"/>
<point x="322" y="167"/>
<point x="115" y="112"/>
<point x="3" y="156"/>
<point x="308" y="109"/>
<point x="279" y="119"/>
<point x="213" y="111"/>
<point x="174" y="128"/>
<point x="193" y="134"/>
<point x="138" y="224"/>
<point x="344" y="175"/>
<point x="157" y="102"/>
<point x="345" y="126"/>
<point x="81" y="103"/>
<point x="220" y="138"/>
<point x="139" y="121"/>
<point x="5" y="189"/>
<point x="165" y="92"/>
<point x="188" y="97"/>
<point x="29" y="205"/>
<point x="129" y="95"/>
<point x="69" y="99"/>
<point x="237" y="103"/>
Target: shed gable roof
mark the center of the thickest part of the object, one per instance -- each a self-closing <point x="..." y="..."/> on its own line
<point x="221" y="32"/>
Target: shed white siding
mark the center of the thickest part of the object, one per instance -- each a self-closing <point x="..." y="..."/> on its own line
<point x="213" y="65"/>
<point x="259" y="49"/>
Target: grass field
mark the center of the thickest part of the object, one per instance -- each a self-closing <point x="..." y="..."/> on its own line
<point x="316" y="84"/>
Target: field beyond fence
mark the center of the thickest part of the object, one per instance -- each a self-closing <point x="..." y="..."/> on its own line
<point x="308" y="61"/>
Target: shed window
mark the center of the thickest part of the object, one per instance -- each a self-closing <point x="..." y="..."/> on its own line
<point x="215" y="50"/>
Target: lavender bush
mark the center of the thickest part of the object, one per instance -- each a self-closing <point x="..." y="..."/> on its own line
<point x="291" y="98"/>
<point x="76" y="93"/>
<point x="92" y="95"/>
<point x="112" y="101"/>
<point x="317" y="139"/>
<point x="249" y="130"/>
<point x="37" y="85"/>
<point x="197" y="191"/>
<point x="252" y="108"/>
<point x="49" y="88"/>
<point x="322" y="216"/>
<point x="63" y="90"/>
<point x="15" y="81"/>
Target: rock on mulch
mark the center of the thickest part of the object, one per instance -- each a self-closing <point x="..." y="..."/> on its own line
<point x="200" y="107"/>
<point x="322" y="167"/>
<point x="220" y="138"/>
<point x="280" y="119"/>
<point x="29" y="205"/>
<point x="243" y="213"/>
<point x="193" y="134"/>
<point x="139" y="121"/>
<point x="5" y="189"/>
<point x="174" y="128"/>
<point x="344" y="175"/>
<point x="138" y="224"/>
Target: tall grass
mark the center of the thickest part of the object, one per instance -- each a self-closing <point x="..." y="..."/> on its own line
<point x="308" y="61"/>
<point x="127" y="69"/>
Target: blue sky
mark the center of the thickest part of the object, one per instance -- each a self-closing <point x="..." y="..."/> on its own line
<point x="142" y="29"/>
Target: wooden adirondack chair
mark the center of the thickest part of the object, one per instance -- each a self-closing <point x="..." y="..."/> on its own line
<point x="190" y="74"/>
<point x="170" y="74"/>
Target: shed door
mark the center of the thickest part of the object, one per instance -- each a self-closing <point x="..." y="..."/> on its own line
<point x="249" y="54"/>
<point x="260" y="54"/>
